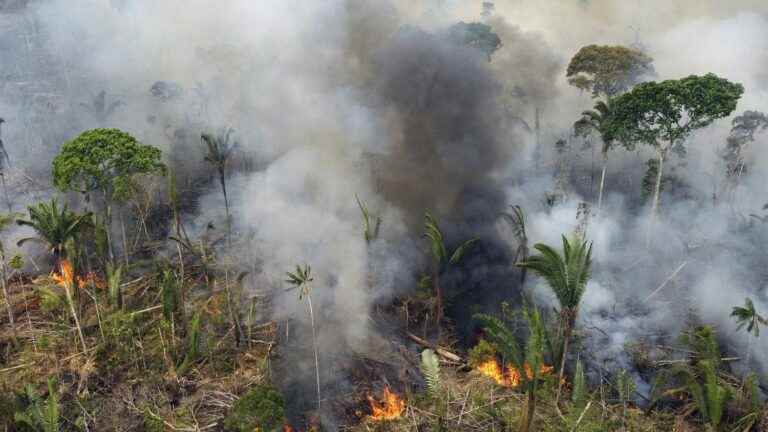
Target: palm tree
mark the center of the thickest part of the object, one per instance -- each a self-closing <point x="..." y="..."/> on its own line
<point x="516" y="220"/>
<point x="54" y="226"/>
<point x="529" y="361"/>
<point x="748" y="317"/>
<point x="597" y="120"/>
<point x="220" y="148"/>
<point x="567" y="275"/>
<point x="441" y="259"/>
<point x="301" y="280"/>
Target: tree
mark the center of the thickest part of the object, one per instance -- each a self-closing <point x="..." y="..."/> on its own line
<point x="99" y="109"/>
<point x="598" y="120"/>
<point x="528" y="361"/>
<point x="747" y="317"/>
<point x="664" y="114"/>
<point x="220" y="148"/>
<point x="606" y="71"/>
<point x="567" y="275"/>
<point x="742" y="133"/>
<point x="104" y="161"/>
<point x="302" y="280"/>
<point x="441" y="259"/>
<point x="55" y="226"/>
<point x="516" y="220"/>
<point x="475" y="35"/>
<point x="5" y="163"/>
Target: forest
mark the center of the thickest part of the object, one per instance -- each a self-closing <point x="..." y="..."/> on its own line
<point x="383" y="215"/>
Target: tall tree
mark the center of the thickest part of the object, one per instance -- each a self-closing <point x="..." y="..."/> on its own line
<point x="100" y="109"/>
<point x="516" y="220"/>
<point x="220" y="147"/>
<point x="441" y="259"/>
<point x="301" y="279"/>
<point x="598" y="120"/>
<point x="567" y="275"/>
<point x="664" y="114"/>
<point x="5" y="163"/>
<point x="104" y="161"/>
<point x="742" y="133"/>
<point x="55" y="226"/>
<point x="606" y="71"/>
<point x="475" y="35"/>
<point x="747" y="317"/>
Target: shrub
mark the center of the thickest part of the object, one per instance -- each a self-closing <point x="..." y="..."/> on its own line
<point x="259" y="409"/>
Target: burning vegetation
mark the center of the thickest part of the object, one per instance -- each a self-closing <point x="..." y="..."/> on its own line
<point x="389" y="407"/>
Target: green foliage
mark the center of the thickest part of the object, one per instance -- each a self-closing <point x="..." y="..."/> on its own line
<point x="579" y="393"/>
<point x="192" y="353"/>
<point x="437" y="243"/>
<point x="481" y="352"/>
<point x="566" y="274"/>
<point x="54" y="225"/>
<point x="608" y="70"/>
<point x="170" y="293"/>
<point x="371" y="224"/>
<point x="51" y="302"/>
<point x="41" y="415"/>
<point x="531" y="356"/>
<point x="301" y="279"/>
<point x="104" y="160"/>
<point x="259" y="409"/>
<point x="598" y="120"/>
<point x="430" y="368"/>
<point x="742" y="133"/>
<point x="475" y="35"/>
<point x="114" y="279"/>
<point x="625" y="386"/>
<point x="748" y="317"/>
<point x="669" y="111"/>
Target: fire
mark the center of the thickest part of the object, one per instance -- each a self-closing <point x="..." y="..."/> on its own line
<point x="390" y="408"/>
<point x="511" y="376"/>
<point x="66" y="275"/>
<point x="287" y="428"/>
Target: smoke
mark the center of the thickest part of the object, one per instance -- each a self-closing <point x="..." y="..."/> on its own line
<point x="338" y="98"/>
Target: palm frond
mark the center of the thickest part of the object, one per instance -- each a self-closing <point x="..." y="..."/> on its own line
<point x="430" y="368"/>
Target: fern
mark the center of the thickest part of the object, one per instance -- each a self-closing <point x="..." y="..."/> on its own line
<point x="579" y="394"/>
<point x="169" y="294"/>
<point x="430" y="368"/>
<point x="42" y="416"/>
<point x="193" y="345"/>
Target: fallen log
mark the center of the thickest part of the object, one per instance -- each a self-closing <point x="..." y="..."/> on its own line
<point x="439" y="350"/>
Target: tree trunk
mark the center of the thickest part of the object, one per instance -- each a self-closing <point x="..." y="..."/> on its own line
<point x="223" y="182"/>
<point x="438" y="304"/>
<point x="125" y="238"/>
<point x="656" y="195"/>
<point x="530" y="409"/>
<point x="108" y="230"/>
<point x="567" y="330"/>
<point x="602" y="184"/>
<point x="314" y="347"/>
<point x="5" y="192"/>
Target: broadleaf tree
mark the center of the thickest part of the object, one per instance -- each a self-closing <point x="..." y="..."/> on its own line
<point x="664" y="114"/>
<point x="104" y="161"/>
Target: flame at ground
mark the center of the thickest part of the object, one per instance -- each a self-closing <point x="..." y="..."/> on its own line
<point x="511" y="377"/>
<point x="390" y="408"/>
<point x="66" y="275"/>
<point x="287" y="428"/>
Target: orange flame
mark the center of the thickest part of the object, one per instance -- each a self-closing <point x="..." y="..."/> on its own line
<point x="287" y="428"/>
<point x="390" y="408"/>
<point x="66" y="275"/>
<point x="511" y="377"/>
